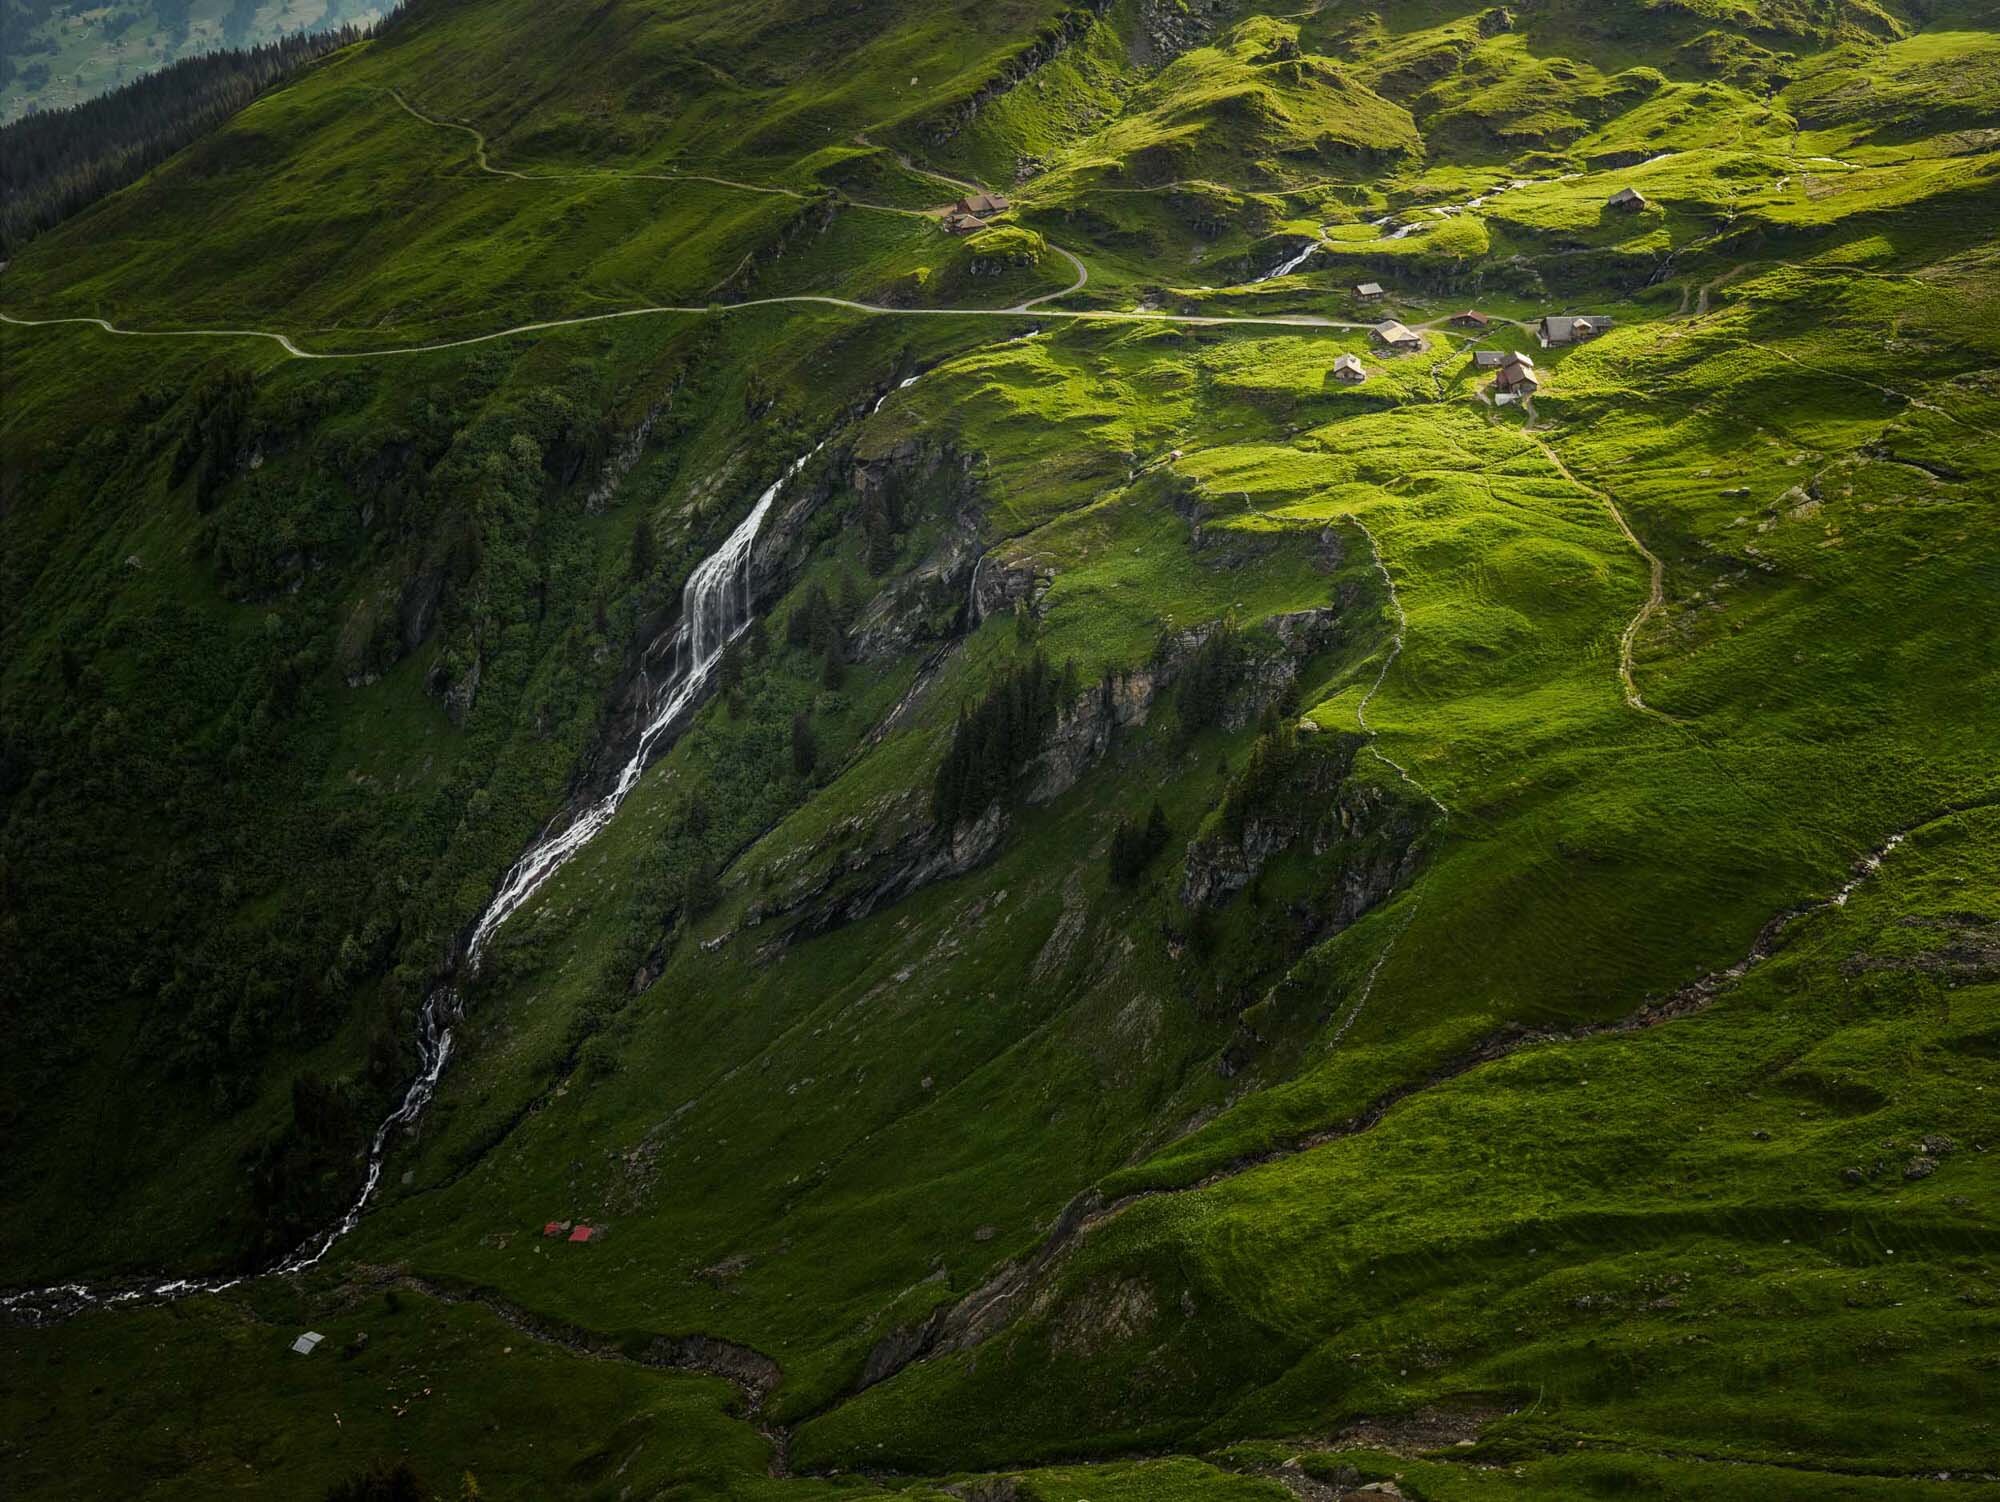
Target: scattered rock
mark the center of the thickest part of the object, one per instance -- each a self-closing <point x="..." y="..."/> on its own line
<point x="722" y="1273"/>
<point x="985" y="1489"/>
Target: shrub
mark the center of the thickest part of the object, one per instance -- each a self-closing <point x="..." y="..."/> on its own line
<point x="1134" y="845"/>
<point x="805" y="750"/>
<point x="993" y="741"/>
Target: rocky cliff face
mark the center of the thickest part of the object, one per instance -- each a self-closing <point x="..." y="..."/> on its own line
<point x="1318" y="807"/>
<point x="877" y="857"/>
<point x="1000" y="586"/>
<point x="1085" y="729"/>
<point x="933" y="599"/>
<point x="895" y="847"/>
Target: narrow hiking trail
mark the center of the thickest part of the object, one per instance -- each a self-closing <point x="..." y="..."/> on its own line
<point x="1034" y="306"/>
<point x="752" y="1374"/>
<point x="984" y="1311"/>
<point x="1888" y="391"/>
<point x="1656" y="595"/>
<point x="600" y="174"/>
<point x="1291" y="322"/>
<point x="1389" y="660"/>
<point x="903" y="161"/>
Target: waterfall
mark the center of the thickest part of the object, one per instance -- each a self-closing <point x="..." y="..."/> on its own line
<point x="1291" y="264"/>
<point x="715" y="609"/>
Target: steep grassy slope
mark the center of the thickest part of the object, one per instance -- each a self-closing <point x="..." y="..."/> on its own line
<point x="54" y="56"/>
<point x="1461" y="1079"/>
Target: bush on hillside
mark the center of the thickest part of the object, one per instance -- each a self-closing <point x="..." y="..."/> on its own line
<point x="994" y="740"/>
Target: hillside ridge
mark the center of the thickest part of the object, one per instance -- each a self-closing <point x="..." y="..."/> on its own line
<point x="749" y="832"/>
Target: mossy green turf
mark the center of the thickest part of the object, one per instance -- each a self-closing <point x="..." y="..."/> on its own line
<point x="806" y="1148"/>
<point x="209" y="1399"/>
<point x="60" y="57"/>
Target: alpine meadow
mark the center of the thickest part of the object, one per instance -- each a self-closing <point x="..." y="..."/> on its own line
<point x="1003" y="751"/>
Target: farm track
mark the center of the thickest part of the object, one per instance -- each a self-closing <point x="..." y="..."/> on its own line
<point x="1032" y="307"/>
<point x="1294" y="322"/>
<point x="600" y="174"/>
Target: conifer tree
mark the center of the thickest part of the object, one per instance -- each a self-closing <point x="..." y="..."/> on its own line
<point x="805" y="750"/>
<point x="995" y="739"/>
<point x="55" y="163"/>
<point x="798" y="625"/>
<point x="881" y="553"/>
<point x="645" y="551"/>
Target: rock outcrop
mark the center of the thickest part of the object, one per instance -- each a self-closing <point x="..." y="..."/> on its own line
<point x="1084" y="730"/>
<point x="878" y="857"/>
<point x="1369" y="828"/>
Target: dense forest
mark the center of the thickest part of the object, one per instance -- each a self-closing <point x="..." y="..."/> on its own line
<point x="54" y="164"/>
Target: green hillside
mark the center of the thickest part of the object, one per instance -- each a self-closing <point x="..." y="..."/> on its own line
<point x="1216" y="930"/>
<point x="55" y="55"/>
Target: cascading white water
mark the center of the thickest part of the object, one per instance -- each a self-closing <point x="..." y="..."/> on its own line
<point x="1288" y="266"/>
<point x="1445" y="211"/>
<point x="715" y="609"/>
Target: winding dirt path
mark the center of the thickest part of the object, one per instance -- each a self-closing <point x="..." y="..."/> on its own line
<point x="1656" y="596"/>
<point x="1289" y="322"/>
<point x="986" y="1310"/>
<point x="1031" y="307"/>
<point x="903" y="161"/>
<point x="1082" y="281"/>
<point x="600" y="174"/>
<point x="281" y="340"/>
<point x="1292" y="322"/>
